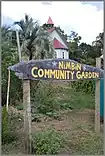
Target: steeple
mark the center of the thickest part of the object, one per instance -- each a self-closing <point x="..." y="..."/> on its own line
<point x="50" y="23"/>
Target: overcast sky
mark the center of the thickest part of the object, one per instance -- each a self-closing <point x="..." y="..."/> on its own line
<point x="84" y="18"/>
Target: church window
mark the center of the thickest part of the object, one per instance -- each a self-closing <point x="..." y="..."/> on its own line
<point x="63" y="55"/>
<point x="55" y="54"/>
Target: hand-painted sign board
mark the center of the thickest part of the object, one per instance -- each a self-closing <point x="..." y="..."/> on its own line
<point x="56" y="69"/>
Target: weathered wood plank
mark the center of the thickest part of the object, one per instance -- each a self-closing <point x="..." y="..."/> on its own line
<point x="56" y="69"/>
<point x="97" y="100"/>
<point x="27" y="115"/>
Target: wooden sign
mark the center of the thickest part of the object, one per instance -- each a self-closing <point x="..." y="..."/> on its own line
<point x="56" y="69"/>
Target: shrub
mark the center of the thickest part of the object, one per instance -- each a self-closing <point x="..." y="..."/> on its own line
<point x="10" y="57"/>
<point x="44" y="99"/>
<point x="20" y="107"/>
<point x="7" y="135"/>
<point x="47" y="142"/>
<point x="4" y="121"/>
<point x="87" y="86"/>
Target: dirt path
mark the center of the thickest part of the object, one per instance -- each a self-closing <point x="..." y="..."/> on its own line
<point x="68" y="121"/>
<point x="77" y="125"/>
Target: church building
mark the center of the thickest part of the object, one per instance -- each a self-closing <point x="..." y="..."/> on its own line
<point x="59" y="42"/>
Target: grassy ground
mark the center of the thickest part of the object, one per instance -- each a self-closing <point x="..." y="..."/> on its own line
<point x="76" y="125"/>
<point x="77" y="100"/>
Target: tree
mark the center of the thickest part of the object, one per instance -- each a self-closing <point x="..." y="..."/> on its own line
<point x="88" y="53"/>
<point x="74" y="51"/>
<point x="9" y="57"/>
<point x="83" y="52"/>
<point x="62" y="32"/>
<point x="35" y="39"/>
<point x="99" y="43"/>
<point x="75" y="37"/>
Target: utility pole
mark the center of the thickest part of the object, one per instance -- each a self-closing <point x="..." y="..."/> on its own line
<point x="18" y="44"/>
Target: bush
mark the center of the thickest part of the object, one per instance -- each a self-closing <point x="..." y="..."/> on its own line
<point x="87" y="86"/>
<point x="4" y="124"/>
<point x="10" y="57"/>
<point x="44" y="99"/>
<point x="47" y="142"/>
<point x="7" y="135"/>
<point x="20" y="107"/>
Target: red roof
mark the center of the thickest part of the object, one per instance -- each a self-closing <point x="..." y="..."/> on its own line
<point x="58" y="45"/>
<point x="50" y="21"/>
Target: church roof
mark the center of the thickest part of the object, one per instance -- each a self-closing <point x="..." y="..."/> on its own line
<point x="62" y="37"/>
<point x="50" y="30"/>
<point x="58" y="45"/>
<point x="50" y="21"/>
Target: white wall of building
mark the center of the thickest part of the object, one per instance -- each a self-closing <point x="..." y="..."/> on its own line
<point x="59" y="53"/>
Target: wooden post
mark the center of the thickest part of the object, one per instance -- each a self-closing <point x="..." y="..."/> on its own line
<point x="27" y="105"/>
<point x="97" y="100"/>
<point x="18" y="45"/>
<point x="27" y="115"/>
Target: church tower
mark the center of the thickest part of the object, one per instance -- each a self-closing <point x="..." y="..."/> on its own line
<point x="50" y="23"/>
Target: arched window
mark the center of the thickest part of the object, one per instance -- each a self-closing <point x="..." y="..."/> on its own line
<point x="55" y="54"/>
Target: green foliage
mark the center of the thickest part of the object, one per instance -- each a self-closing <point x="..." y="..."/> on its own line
<point x="88" y="53"/>
<point x="35" y="45"/>
<point x="47" y="142"/>
<point x="83" y="52"/>
<point x="74" y="51"/>
<point x="99" y="42"/>
<point x="4" y="120"/>
<point x="7" y="135"/>
<point x="87" y="86"/>
<point x="36" y="117"/>
<point x="54" y="115"/>
<point x="19" y="107"/>
<point x="82" y="100"/>
<point x="71" y="99"/>
<point x="65" y="106"/>
<point x="35" y="39"/>
<point x="9" y="57"/>
<point x="44" y="99"/>
<point x="89" y="145"/>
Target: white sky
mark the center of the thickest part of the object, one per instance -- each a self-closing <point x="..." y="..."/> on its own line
<point x="86" y="19"/>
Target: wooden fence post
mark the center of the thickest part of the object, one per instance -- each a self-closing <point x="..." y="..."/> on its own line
<point x="97" y="100"/>
<point x="27" y="115"/>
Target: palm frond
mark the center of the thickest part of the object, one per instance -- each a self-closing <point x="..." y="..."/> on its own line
<point x="36" y="40"/>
